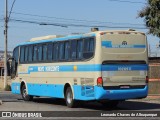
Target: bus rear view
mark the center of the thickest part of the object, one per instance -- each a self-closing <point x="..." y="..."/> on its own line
<point x="124" y="65"/>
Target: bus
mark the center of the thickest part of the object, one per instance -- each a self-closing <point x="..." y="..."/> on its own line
<point x="104" y="66"/>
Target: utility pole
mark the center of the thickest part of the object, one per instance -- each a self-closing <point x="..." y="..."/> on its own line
<point x="5" y="42"/>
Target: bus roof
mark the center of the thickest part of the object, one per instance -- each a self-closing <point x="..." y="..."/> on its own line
<point x="52" y="38"/>
<point x="57" y="39"/>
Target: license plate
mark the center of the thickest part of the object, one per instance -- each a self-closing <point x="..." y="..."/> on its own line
<point x="125" y="86"/>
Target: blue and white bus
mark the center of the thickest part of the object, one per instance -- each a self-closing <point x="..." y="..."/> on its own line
<point x="105" y="66"/>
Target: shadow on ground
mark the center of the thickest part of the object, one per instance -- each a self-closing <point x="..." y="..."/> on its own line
<point x="125" y="105"/>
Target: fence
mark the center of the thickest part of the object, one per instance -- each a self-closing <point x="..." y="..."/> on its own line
<point x="154" y="78"/>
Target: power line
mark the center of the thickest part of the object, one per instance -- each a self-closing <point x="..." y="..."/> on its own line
<point x="11" y="9"/>
<point x="73" y="25"/>
<point x="79" y="20"/>
<point x="133" y="2"/>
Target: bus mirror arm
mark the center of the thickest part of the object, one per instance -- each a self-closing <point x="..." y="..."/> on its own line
<point x="11" y="65"/>
<point x="9" y="61"/>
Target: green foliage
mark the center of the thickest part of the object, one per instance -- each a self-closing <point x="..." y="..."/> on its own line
<point x="8" y="88"/>
<point x="151" y="15"/>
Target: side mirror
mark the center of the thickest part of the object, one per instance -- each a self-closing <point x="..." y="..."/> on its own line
<point x="12" y="67"/>
<point x="10" y="59"/>
<point x="9" y="62"/>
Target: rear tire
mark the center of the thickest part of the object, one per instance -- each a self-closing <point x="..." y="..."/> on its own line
<point x="70" y="102"/>
<point x="24" y="94"/>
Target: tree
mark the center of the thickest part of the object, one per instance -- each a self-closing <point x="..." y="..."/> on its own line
<point x="151" y="14"/>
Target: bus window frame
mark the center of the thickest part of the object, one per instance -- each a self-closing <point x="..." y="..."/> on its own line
<point x="61" y="42"/>
<point x="50" y="43"/>
<point x="94" y="39"/>
<point x="69" y="52"/>
<point x="82" y="49"/>
<point x="56" y="61"/>
<point x="38" y="53"/>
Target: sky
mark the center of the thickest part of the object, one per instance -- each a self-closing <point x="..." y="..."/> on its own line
<point x="109" y="13"/>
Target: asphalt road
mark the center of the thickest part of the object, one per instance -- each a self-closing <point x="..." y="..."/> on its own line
<point x="13" y="102"/>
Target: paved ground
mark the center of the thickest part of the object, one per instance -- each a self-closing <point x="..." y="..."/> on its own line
<point x="15" y="103"/>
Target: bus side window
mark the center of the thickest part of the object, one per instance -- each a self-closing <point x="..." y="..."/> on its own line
<point x="91" y="48"/>
<point x="26" y="54"/>
<point x="67" y="50"/>
<point x="39" y="52"/>
<point x="61" y="51"/>
<point x="79" y="49"/>
<point x="30" y="53"/>
<point x="22" y="52"/>
<point x="35" y="49"/>
<point x="88" y="48"/>
<point x="55" y="51"/>
<point x="44" y="52"/>
<point x="73" y="49"/>
<point x="49" y="52"/>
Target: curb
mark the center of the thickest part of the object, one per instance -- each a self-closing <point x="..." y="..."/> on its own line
<point x="154" y="97"/>
<point x="5" y="91"/>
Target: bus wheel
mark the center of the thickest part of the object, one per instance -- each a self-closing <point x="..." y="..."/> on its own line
<point x="110" y="104"/>
<point x="24" y="94"/>
<point x="70" y="102"/>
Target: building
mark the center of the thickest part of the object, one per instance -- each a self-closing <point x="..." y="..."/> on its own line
<point x="2" y="54"/>
<point x="154" y="75"/>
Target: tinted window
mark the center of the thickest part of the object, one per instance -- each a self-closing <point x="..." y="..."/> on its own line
<point x="61" y="51"/>
<point x="22" y="54"/>
<point x="50" y="51"/>
<point x="39" y="53"/>
<point x="16" y="54"/>
<point x="88" y="47"/>
<point x="67" y="50"/>
<point x="30" y="53"/>
<point x="55" y="51"/>
<point x="73" y="49"/>
<point x="44" y="52"/>
<point x="14" y="64"/>
<point x="79" y="49"/>
<point x="91" y="45"/>
<point x="26" y="54"/>
<point x="35" y="49"/>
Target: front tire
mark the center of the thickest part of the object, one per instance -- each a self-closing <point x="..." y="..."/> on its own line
<point x="70" y="102"/>
<point x="24" y="94"/>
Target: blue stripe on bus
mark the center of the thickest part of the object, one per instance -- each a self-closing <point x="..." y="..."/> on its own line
<point x="59" y="39"/>
<point x="48" y="90"/>
<point x="81" y="92"/>
<point x="108" y="44"/>
<point x="15" y="87"/>
<point x="124" y="67"/>
<point x="85" y="68"/>
<point x="139" y="46"/>
<point x="64" y="68"/>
